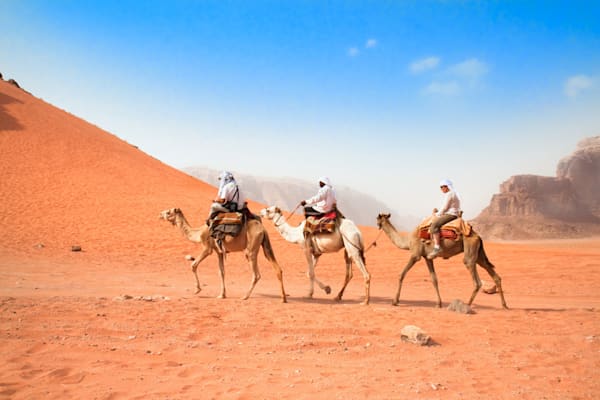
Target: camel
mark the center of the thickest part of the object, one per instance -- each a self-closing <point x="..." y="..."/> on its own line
<point x="252" y="236"/>
<point x="472" y="246"/>
<point x="346" y="236"/>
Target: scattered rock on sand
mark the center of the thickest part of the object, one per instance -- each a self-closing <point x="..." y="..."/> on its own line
<point x="414" y="334"/>
<point x="460" y="307"/>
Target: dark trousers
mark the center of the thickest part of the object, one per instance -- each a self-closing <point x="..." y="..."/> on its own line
<point x="311" y="212"/>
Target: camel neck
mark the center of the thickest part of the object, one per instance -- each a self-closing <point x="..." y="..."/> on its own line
<point x="398" y="239"/>
<point x="289" y="233"/>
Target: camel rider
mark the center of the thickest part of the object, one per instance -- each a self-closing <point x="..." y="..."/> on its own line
<point x="321" y="203"/>
<point x="449" y="211"/>
<point x="229" y="197"/>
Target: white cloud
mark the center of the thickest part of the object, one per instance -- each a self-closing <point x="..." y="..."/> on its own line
<point x="470" y="70"/>
<point x="575" y="84"/>
<point x="371" y="43"/>
<point x="353" y="51"/>
<point x="444" y="88"/>
<point x="424" y="64"/>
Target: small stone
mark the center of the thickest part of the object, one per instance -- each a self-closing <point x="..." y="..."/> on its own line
<point x="414" y="334"/>
<point x="460" y="307"/>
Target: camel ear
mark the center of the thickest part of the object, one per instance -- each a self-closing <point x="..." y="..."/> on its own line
<point x="388" y="216"/>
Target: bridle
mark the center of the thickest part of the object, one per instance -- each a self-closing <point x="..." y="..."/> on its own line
<point x="281" y="216"/>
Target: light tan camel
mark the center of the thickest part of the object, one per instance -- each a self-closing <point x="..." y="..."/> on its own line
<point x="252" y="236"/>
<point x="472" y="246"/>
<point x="347" y="237"/>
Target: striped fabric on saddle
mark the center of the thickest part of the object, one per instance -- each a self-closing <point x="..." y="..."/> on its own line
<point x="324" y="224"/>
<point x="226" y="224"/>
<point x="453" y="230"/>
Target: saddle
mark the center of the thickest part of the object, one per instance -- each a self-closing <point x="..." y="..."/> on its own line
<point x="453" y="230"/>
<point x="230" y="223"/>
<point x="321" y="224"/>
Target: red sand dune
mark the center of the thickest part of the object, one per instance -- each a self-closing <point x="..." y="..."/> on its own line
<point x="67" y="330"/>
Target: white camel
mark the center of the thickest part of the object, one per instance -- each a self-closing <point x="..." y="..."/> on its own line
<point x="346" y="236"/>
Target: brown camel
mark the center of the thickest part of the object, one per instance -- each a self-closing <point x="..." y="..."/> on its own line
<point x="252" y="236"/>
<point x="472" y="246"/>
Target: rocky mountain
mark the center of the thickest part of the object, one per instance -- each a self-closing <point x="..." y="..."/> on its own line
<point x="286" y="193"/>
<point x="582" y="168"/>
<point x="531" y="206"/>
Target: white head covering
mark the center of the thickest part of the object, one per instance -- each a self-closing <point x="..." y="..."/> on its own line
<point x="448" y="182"/>
<point x="225" y="177"/>
<point x="325" y="180"/>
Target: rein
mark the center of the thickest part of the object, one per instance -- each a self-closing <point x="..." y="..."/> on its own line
<point x="277" y="224"/>
<point x="374" y="244"/>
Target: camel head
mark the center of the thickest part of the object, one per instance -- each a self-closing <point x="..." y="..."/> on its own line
<point x="383" y="218"/>
<point x="170" y="215"/>
<point x="270" y="212"/>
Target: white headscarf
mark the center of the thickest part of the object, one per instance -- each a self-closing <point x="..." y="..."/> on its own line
<point x="325" y="180"/>
<point x="448" y="182"/>
<point x="225" y="177"/>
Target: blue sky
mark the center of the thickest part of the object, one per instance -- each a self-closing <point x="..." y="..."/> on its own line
<point x="388" y="97"/>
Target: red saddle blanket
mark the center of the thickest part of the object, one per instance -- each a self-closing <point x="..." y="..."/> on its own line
<point x="444" y="234"/>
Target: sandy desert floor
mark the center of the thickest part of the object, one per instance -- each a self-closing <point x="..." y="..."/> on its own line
<point x="75" y="325"/>
<point x="120" y="320"/>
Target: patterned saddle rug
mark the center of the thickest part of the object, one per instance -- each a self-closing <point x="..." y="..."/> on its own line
<point x="324" y="224"/>
<point x="453" y="230"/>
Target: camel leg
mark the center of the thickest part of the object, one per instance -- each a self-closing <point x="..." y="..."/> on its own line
<point x="472" y="267"/>
<point x="222" y="275"/>
<point x="195" y="264"/>
<point x="253" y="260"/>
<point x="270" y="256"/>
<point x="359" y="260"/>
<point x="411" y="262"/>
<point x="312" y="261"/>
<point x="434" y="280"/>
<point x="279" y="274"/>
<point x="348" y="276"/>
<point x="483" y="261"/>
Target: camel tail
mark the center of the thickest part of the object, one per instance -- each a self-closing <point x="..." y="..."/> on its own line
<point x="268" y="249"/>
<point x="483" y="256"/>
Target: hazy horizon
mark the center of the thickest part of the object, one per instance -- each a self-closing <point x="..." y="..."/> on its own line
<point x="385" y="97"/>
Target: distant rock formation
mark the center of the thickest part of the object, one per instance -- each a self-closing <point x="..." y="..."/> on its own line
<point x="286" y="193"/>
<point x="531" y="206"/>
<point x="582" y="168"/>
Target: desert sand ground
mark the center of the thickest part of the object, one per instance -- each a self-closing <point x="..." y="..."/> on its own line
<point x="120" y="320"/>
<point x="69" y="329"/>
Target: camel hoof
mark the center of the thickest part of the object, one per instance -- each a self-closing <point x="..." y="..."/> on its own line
<point x="198" y="291"/>
<point x="189" y="257"/>
<point x="395" y="303"/>
<point x="338" y="299"/>
<point x="221" y="296"/>
<point x="327" y="289"/>
<point x="365" y="303"/>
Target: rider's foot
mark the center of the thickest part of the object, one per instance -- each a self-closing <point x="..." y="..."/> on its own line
<point x="433" y="254"/>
